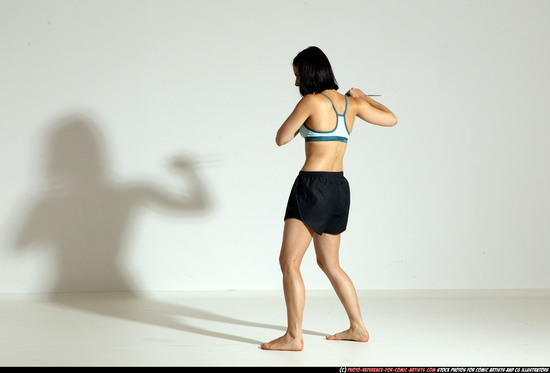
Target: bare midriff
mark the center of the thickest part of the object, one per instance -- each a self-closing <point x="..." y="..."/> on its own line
<point x="325" y="156"/>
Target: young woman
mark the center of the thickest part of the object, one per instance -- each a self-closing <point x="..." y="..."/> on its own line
<point x="319" y="200"/>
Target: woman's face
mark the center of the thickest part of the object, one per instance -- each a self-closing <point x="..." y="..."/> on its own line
<point x="297" y="83"/>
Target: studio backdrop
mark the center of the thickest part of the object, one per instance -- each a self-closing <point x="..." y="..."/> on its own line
<point x="138" y="142"/>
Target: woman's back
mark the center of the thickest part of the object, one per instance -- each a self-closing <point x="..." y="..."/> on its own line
<point x="328" y="107"/>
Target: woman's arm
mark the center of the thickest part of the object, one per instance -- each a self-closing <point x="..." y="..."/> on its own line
<point x="291" y="126"/>
<point x="372" y="111"/>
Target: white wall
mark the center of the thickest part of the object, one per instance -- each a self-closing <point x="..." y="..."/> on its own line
<point x="454" y="196"/>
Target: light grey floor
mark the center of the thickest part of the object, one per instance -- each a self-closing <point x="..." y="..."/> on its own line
<point x="408" y="328"/>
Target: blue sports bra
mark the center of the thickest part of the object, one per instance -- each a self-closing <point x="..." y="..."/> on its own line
<point x="339" y="133"/>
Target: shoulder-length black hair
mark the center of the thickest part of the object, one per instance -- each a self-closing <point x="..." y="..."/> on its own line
<point x="315" y="71"/>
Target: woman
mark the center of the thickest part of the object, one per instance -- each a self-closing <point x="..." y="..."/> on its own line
<point x="319" y="200"/>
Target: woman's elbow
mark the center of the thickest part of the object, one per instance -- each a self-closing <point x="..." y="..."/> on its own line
<point x="280" y="140"/>
<point x="391" y="121"/>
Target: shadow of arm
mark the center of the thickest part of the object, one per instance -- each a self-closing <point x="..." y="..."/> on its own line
<point x="196" y="198"/>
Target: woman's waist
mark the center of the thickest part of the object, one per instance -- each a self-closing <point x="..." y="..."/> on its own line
<point x="313" y="164"/>
<point x="325" y="174"/>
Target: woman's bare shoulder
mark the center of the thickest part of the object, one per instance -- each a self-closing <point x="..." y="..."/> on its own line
<point x="311" y="101"/>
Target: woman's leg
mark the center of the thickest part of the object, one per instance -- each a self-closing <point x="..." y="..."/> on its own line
<point x="296" y="239"/>
<point x="327" y="248"/>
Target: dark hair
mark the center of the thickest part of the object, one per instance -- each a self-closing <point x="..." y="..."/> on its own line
<point x="315" y="71"/>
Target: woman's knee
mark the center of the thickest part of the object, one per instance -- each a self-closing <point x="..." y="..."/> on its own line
<point x="289" y="264"/>
<point x="328" y="266"/>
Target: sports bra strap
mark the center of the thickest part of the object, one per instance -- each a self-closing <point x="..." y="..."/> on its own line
<point x="334" y="107"/>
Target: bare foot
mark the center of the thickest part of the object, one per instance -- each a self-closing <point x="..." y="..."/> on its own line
<point x="357" y="335"/>
<point x="284" y="343"/>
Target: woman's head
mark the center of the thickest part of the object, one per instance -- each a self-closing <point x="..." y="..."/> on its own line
<point x="75" y="150"/>
<point x="313" y="71"/>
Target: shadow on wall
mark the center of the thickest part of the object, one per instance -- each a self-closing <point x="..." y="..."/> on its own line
<point x="83" y="216"/>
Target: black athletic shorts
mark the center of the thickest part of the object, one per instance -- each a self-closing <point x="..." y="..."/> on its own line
<point x="321" y="200"/>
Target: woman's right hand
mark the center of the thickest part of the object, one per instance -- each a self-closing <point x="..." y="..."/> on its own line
<point x="355" y="92"/>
